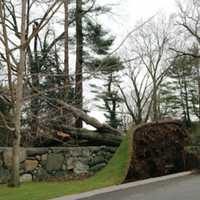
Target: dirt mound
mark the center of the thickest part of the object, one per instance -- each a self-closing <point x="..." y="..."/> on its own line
<point x="158" y="149"/>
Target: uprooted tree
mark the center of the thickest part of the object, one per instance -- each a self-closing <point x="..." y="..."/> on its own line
<point x="104" y="134"/>
<point x="158" y="149"/>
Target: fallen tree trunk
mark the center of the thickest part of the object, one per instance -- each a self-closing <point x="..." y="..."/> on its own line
<point x="101" y="127"/>
<point x="93" y="137"/>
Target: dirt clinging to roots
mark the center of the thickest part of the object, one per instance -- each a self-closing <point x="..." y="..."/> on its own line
<point x="158" y="149"/>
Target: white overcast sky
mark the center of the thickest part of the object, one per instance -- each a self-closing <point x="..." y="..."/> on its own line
<point x="125" y="15"/>
<point x="127" y="12"/>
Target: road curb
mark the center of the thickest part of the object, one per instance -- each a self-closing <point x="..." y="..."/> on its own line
<point x="123" y="186"/>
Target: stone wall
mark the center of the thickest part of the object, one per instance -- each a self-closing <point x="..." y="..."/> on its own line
<point x="41" y="164"/>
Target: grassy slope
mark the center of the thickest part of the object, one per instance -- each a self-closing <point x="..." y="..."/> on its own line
<point x="114" y="173"/>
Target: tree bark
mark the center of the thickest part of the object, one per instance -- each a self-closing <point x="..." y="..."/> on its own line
<point x="199" y="97"/>
<point x="66" y="44"/>
<point x="155" y="103"/>
<point x="87" y="119"/>
<point x="188" y="119"/>
<point x="35" y="102"/>
<point x="15" y="180"/>
<point x="92" y="136"/>
<point x="79" y="60"/>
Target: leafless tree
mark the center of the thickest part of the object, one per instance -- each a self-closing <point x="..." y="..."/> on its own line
<point x="150" y="45"/>
<point x="188" y="21"/>
<point x="137" y="97"/>
<point x="19" y="66"/>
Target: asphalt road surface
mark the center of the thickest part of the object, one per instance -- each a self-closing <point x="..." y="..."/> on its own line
<point x="185" y="188"/>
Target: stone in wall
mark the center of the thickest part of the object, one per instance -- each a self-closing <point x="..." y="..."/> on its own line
<point x="26" y="178"/>
<point x="86" y="153"/>
<point x="60" y="163"/>
<point x="44" y="157"/>
<point x="96" y="160"/>
<point x="30" y="165"/>
<point x="40" y="175"/>
<point x="97" y="167"/>
<point x="36" y="151"/>
<point x="4" y="175"/>
<point x="7" y="156"/>
<point x="71" y="163"/>
<point x="81" y="168"/>
<point x="77" y="152"/>
<point x="85" y="160"/>
<point x="54" y="162"/>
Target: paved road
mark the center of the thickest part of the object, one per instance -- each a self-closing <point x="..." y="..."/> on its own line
<point x="185" y="188"/>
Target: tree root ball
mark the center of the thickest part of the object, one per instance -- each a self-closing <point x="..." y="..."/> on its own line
<point x="158" y="149"/>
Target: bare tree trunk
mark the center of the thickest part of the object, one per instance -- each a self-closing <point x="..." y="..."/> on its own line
<point x="198" y="81"/>
<point x="67" y="116"/>
<point x="66" y="59"/>
<point x="188" y="119"/>
<point x="15" y="181"/>
<point x="199" y="97"/>
<point x="79" y="60"/>
<point x="35" y="102"/>
<point x="6" y="46"/>
<point x="34" y="70"/>
<point x="155" y="105"/>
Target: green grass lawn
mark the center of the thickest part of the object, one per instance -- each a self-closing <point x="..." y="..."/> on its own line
<point x="113" y="174"/>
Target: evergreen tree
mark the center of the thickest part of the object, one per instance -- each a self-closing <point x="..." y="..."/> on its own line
<point x="47" y="81"/>
<point x="177" y="94"/>
<point x="108" y="94"/>
<point x="91" y="41"/>
<point x="170" y="103"/>
<point x="5" y="118"/>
